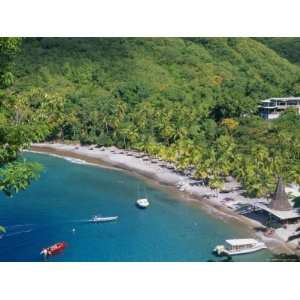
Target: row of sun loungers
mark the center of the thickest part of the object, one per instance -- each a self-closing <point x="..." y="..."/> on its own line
<point x="145" y="157"/>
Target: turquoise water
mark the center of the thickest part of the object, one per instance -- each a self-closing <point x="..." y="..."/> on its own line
<point x="67" y="194"/>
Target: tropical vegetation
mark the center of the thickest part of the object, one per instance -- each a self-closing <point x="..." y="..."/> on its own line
<point x="190" y="101"/>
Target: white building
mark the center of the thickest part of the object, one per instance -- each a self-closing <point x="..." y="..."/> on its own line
<point x="272" y="108"/>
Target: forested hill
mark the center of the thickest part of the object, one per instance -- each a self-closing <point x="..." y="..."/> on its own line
<point x="285" y="47"/>
<point x="228" y="74"/>
<point x="192" y="101"/>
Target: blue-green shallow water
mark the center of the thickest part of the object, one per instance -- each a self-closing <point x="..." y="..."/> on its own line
<point x="67" y="194"/>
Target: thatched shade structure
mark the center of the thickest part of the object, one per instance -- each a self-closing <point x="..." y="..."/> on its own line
<point x="280" y="198"/>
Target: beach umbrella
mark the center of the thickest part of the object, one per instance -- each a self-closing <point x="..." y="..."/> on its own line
<point x="2" y="229"/>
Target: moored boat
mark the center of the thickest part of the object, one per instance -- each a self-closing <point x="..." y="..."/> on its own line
<point x="54" y="249"/>
<point x="239" y="246"/>
<point x="142" y="203"/>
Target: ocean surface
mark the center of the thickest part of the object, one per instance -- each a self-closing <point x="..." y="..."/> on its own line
<point x="67" y="194"/>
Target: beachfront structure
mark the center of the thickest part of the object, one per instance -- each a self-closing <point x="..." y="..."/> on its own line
<point x="272" y="108"/>
<point x="280" y="207"/>
<point x="280" y="199"/>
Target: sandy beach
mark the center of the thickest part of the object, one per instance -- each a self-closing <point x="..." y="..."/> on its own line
<point x="223" y="203"/>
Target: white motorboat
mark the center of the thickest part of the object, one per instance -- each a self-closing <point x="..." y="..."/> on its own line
<point x="142" y="203"/>
<point x="239" y="246"/>
<point x="98" y="219"/>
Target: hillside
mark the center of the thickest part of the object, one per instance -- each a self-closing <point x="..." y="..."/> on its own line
<point x="192" y="101"/>
<point x="288" y="48"/>
<point x="209" y="71"/>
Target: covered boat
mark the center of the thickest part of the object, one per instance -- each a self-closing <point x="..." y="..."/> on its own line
<point x="239" y="246"/>
<point x="54" y="249"/>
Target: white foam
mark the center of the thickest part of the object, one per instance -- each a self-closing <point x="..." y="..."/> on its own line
<point x="70" y="159"/>
<point x="75" y="160"/>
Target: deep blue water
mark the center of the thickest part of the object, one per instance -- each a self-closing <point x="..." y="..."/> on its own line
<point x="67" y="194"/>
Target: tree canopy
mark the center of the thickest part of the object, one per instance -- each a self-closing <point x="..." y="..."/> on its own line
<point x="18" y="127"/>
<point x="191" y="101"/>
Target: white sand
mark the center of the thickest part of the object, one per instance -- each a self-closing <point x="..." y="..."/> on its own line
<point x="120" y="159"/>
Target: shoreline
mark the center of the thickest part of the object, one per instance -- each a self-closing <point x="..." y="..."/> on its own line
<point x="182" y="186"/>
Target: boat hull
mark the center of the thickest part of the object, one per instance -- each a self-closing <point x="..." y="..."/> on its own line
<point x="142" y="206"/>
<point x="54" y="249"/>
<point x="243" y="251"/>
<point x="103" y="220"/>
<point x="142" y="203"/>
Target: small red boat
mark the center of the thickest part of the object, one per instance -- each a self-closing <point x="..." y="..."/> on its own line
<point x="54" y="249"/>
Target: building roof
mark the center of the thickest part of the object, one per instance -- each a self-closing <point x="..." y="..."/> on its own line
<point x="282" y="215"/>
<point x="281" y="99"/>
<point x="280" y="199"/>
<point x="241" y="242"/>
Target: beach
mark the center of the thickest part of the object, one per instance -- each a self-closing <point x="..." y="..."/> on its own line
<point x="221" y="203"/>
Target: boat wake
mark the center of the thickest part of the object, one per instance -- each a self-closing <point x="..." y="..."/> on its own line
<point x="18" y="225"/>
<point x="18" y="229"/>
<point x="15" y="230"/>
<point x="16" y="233"/>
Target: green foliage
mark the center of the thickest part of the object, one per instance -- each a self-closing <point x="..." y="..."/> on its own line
<point x="132" y="92"/>
<point x="18" y="128"/>
<point x="8" y="48"/>
<point x="296" y="202"/>
<point x="21" y="122"/>
<point x="9" y="45"/>
<point x="17" y="176"/>
<point x="286" y="47"/>
<point x="190" y="101"/>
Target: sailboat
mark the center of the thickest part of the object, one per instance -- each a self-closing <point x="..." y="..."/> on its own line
<point x="142" y="202"/>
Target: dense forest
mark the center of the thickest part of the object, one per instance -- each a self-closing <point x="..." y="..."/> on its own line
<point x="191" y="101"/>
<point x="288" y="48"/>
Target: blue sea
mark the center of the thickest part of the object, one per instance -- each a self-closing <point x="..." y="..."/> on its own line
<point x="68" y="194"/>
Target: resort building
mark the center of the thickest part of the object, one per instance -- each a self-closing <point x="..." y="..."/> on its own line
<point x="280" y="207"/>
<point x="272" y="108"/>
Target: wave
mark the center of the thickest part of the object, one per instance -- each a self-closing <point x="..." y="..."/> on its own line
<point x="75" y="160"/>
<point x="68" y="158"/>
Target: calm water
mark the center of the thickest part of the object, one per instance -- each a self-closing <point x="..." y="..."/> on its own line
<point x="67" y="194"/>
